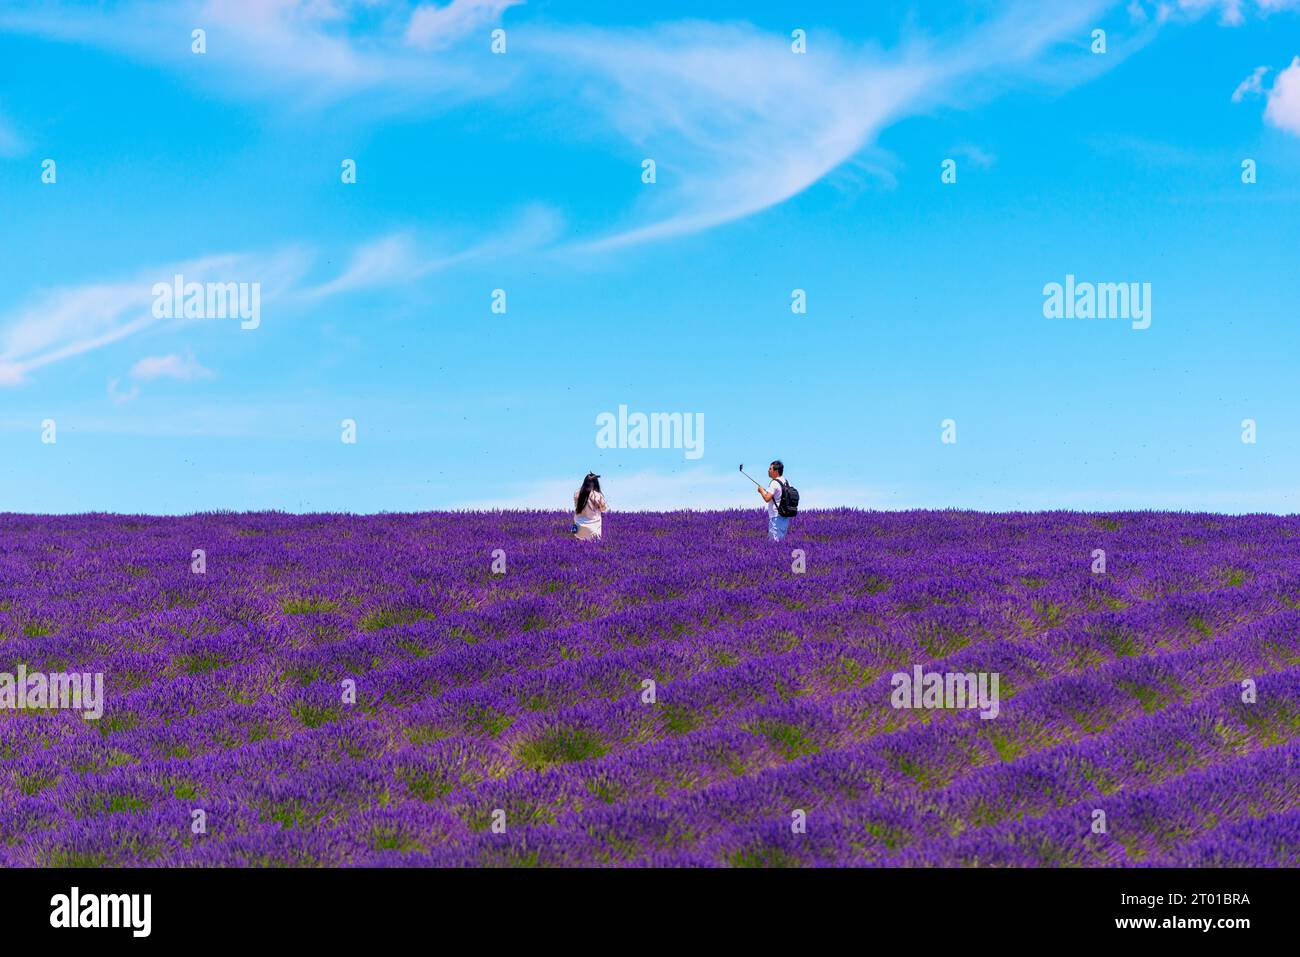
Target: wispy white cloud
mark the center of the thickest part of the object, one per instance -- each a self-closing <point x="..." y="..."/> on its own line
<point x="119" y="395"/>
<point x="70" y="321"/>
<point x="379" y="262"/>
<point x="436" y="27"/>
<point x="1251" y="86"/>
<point x="403" y="257"/>
<point x="74" y="320"/>
<point x="737" y="122"/>
<point x="1232" y="13"/>
<point x="323" y="51"/>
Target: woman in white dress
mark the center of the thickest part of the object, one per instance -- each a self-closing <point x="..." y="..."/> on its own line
<point x="588" y="503"/>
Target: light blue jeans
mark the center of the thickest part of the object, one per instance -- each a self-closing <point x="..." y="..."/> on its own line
<point x="777" y="527"/>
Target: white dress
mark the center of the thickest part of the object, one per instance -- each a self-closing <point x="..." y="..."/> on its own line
<point x="588" y="520"/>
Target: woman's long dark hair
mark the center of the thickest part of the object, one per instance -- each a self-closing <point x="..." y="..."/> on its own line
<point x="590" y="484"/>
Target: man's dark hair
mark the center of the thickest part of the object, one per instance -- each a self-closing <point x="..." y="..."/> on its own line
<point x="779" y="466"/>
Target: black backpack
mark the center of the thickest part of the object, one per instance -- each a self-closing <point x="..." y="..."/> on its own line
<point x="788" y="507"/>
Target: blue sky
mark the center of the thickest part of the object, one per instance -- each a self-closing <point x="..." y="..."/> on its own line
<point x="522" y="171"/>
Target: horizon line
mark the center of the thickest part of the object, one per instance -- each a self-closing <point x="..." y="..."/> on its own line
<point x="746" y="510"/>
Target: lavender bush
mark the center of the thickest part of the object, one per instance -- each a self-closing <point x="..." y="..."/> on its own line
<point x="516" y="696"/>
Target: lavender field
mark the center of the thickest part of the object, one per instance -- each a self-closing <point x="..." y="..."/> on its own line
<point x="523" y="692"/>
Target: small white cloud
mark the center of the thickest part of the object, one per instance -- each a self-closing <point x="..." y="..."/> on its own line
<point x="433" y="27"/>
<point x="1283" y="109"/>
<point x="183" y="368"/>
<point x="1250" y="86"/>
<point x="121" y="396"/>
<point x="1229" y="11"/>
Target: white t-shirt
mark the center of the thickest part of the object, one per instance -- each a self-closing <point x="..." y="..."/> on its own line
<point x="775" y="491"/>
<point x="588" y="520"/>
